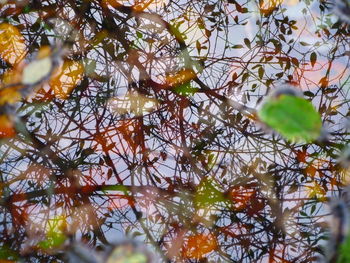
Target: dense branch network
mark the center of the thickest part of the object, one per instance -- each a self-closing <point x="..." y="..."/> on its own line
<point x="166" y="110"/>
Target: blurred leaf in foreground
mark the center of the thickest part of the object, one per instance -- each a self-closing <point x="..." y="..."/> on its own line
<point x="128" y="252"/>
<point x="12" y="46"/>
<point x="9" y="96"/>
<point x="293" y="117"/>
<point x="120" y="255"/>
<point x="338" y="247"/>
<point x="7" y="255"/>
<point x="7" y="129"/>
<point x="55" y="236"/>
<point x="343" y="254"/>
<point x="37" y="70"/>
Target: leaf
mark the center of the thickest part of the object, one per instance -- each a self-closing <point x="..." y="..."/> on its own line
<point x="185" y="89"/>
<point x="66" y="78"/>
<point x="135" y="103"/>
<point x="90" y="67"/>
<point x="241" y="196"/>
<point x="9" y="96"/>
<point x="36" y="71"/>
<point x="55" y="236"/>
<point x="261" y="72"/>
<point x="212" y="158"/>
<point x="198" y="46"/>
<point x="12" y="46"/>
<point x="117" y="187"/>
<point x="295" y="61"/>
<point x="247" y="42"/>
<point x="293" y="117"/>
<point x="343" y="253"/>
<point x="237" y="46"/>
<point x="309" y="94"/>
<point x="139" y="34"/>
<point x="304" y="43"/>
<point x="197" y="246"/>
<point x="181" y="77"/>
<point x="207" y="194"/>
<point x="313" y="58"/>
<point x="6" y="127"/>
<point x="7" y="254"/>
<point x="127" y="254"/>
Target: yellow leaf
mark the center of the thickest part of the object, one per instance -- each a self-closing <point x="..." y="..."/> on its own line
<point x="12" y="46"/>
<point x="180" y="77"/>
<point x="126" y="254"/>
<point x="44" y="51"/>
<point x="132" y="103"/>
<point x="12" y="76"/>
<point x="66" y="78"/>
<point x="315" y="190"/>
<point x="136" y="5"/>
<point x="9" y="95"/>
<point x="268" y="6"/>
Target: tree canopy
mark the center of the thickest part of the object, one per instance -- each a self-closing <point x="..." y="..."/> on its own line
<point x="174" y="130"/>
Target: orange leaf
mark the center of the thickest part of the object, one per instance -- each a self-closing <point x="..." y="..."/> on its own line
<point x="301" y="156"/>
<point x="241" y="196"/>
<point x="12" y="46"/>
<point x="6" y="127"/>
<point x="199" y="245"/>
<point x="66" y="78"/>
<point x="10" y="78"/>
<point x="113" y="3"/>
<point x="137" y="5"/>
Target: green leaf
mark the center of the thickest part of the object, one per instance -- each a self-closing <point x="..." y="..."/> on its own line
<point x="261" y="72"/>
<point x="343" y="253"/>
<point x="293" y="117"/>
<point x="90" y="66"/>
<point x="7" y="254"/>
<point x="55" y="236"/>
<point x="124" y="254"/>
<point x="185" y="89"/>
<point x="212" y="158"/>
<point x="237" y="46"/>
<point x="116" y="187"/>
<point x="139" y="34"/>
<point x="313" y="58"/>
<point x="208" y="194"/>
<point x="52" y="242"/>
<point x="304" y="43"/>
<point x="247" y="42"/>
